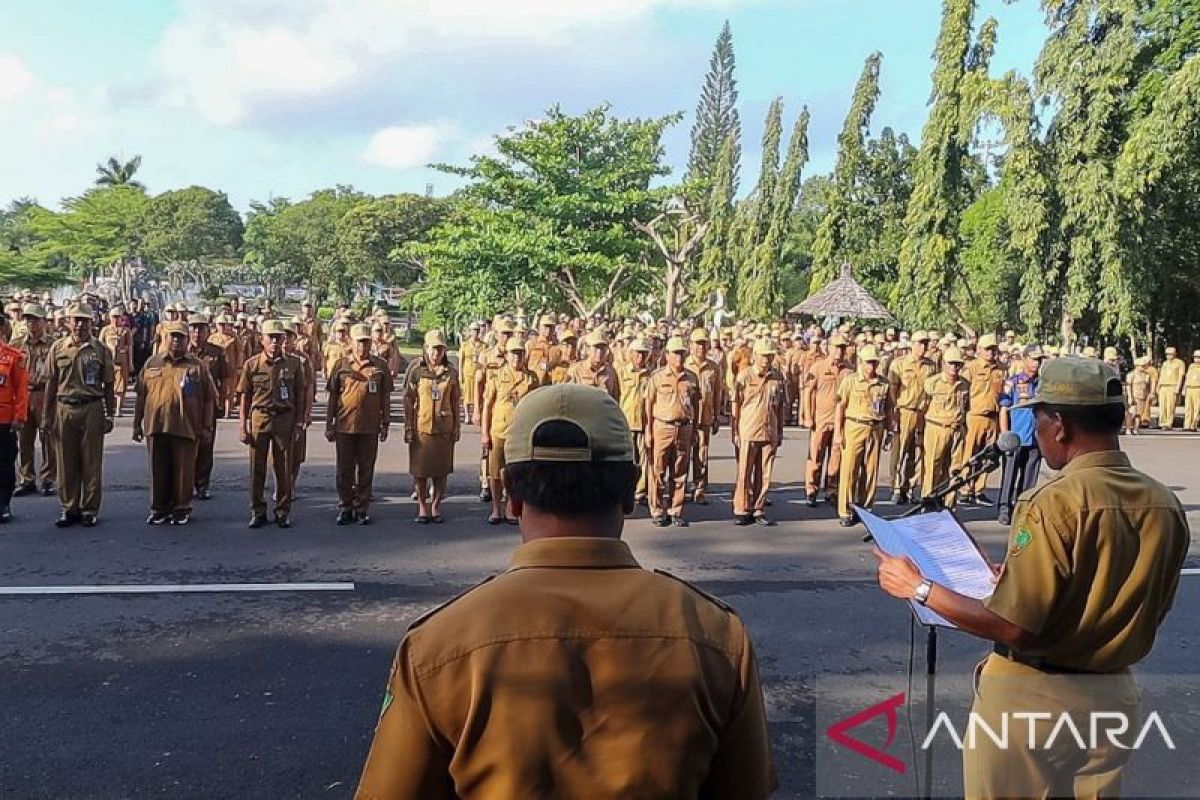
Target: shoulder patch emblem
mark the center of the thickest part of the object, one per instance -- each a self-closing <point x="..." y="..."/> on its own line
<point x="1019" y="542"/>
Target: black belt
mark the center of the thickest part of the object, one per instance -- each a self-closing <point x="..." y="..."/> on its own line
<point x="678" y="423"/>
<point x="939" y="424"/>
<point x="871" y="422"/>
<point x="77" y="401"/>
<point x="1040" y="664"/>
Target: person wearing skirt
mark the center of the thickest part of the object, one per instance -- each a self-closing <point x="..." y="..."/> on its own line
<point x="432" y="408"/>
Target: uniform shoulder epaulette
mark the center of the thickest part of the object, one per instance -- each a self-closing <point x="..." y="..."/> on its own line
<point x="721" y="604"/>
<point x="420" y="620"/>
<point x="1030" y="494"/>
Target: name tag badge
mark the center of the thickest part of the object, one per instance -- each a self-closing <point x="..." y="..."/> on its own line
<point x="284" y="394"/>
<point x="372" y="386"/>
<point x="3" y="379"/>
<point x="91" y="373"/>
<point x="435" y="392"/>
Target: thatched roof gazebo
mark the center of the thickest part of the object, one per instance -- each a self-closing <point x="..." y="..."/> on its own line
<point x="843" y="298"/>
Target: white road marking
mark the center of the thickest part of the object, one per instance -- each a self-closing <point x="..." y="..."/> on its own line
<point x="170" y="588"/>
<point x="1190" y="571"/>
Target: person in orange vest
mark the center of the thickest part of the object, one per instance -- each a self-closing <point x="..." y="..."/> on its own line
<point x="14" y="410"/>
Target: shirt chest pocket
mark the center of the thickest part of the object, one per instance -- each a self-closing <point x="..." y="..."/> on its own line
<point x="877" y="399"/>
<point x="90" y="367"/>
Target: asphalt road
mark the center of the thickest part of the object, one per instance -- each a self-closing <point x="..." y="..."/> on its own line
<point x="274" y="694"/>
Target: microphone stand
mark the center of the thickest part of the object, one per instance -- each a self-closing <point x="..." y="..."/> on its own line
<point x="935" y="501"/>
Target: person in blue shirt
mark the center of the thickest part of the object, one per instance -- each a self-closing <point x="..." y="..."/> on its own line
<point x="1021" y="467"/>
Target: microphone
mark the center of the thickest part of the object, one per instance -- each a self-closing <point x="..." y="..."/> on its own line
<point x="1005" y="444"/>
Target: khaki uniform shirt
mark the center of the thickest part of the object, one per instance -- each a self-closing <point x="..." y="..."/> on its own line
<point x="436" y="398"/>
<point x="277" y="389"/>
<point x="907" y="377"/>
<point x="175" y="397"/>
<point x="866" y="399"/>
<point x="390" y="355"/>
<point x="760" y="401"/>
<point x="251" y="345"/>
<point x="37" y="352"/>
<point x="119" y="341"/>
<point x="82" y="369"/>
<point x="822" y="381"/>
<point x="502" y="395"/>
<point x="542" y="356"/>
<point x="561" y="367"/>
<point x="1170" y="374"/>
<point x="987" y="384"/>
<point x="468" y="360"/>
<point x="232" y="348"/>
<point x="575" y="674"/>
<point x="364" y="395"/>
<point x="1093" y="564"/>
<point x="1192" y="380"/>
<point x="946" y="400"/>
<point x="633" y="395"/>
<point x="605" y="378"/>
<point x="712" y="389"/>
<point x="213" y="358"/>
<point x="675" y="395"/>
<point x="1141" y="384"/>
<point x="333" y="353"/>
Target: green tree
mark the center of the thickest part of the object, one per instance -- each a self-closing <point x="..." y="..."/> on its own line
<point x="561" y="199"/>
<point x="846" y="208"/>
<point x="716" y="121"/>
<point x="119" y="173"/>
<point x="372" y="235"/>
<point x="192" y="234"/>
<point x="22" y="262"/>
<point x="754" y="213"/>
<point x="716" y="270"/>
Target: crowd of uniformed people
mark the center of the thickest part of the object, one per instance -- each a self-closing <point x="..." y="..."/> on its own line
<point x="928" y="399"/>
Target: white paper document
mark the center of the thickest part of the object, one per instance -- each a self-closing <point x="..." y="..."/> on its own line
<point x="942" y="550"/>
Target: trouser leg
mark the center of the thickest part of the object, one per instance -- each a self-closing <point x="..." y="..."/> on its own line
<point x="904" y="451"/>
<point x="665" y="437"/>
<point x="853" y="465"/>
<point x="699" y="460"/>
<point x="183" y="473"/>
<point x="260" y="449"/>
<point x="743" y="492"/>
<point x="8" y="464"/>
<point x="981" y="431"/>
<point x="344" y="452"/>
<point x="679" y="470"/>
<point x="283" y="444"/>
<point x="1191" y="408"/>
<point x="642" y="461"/>
<point x="819" y="442"/>
<point x="365" y="452"/>
<point x="1166" y="409"/>
<point x="92" y="452"/>
<point x="159" y="455"/>
<point x="69" y="438"/>
<point x="204" y="462"/>
<point x="765" y="465"/>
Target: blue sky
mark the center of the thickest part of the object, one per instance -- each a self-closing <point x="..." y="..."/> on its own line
<point x="262" y="98"/>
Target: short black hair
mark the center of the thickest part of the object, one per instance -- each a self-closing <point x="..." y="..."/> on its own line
<point x="570" y="489"/>
<point x="1095" y="420"/>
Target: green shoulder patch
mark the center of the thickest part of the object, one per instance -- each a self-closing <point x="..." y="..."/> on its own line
<point x="387" y="701"/>
<point x="1019" y="542"/>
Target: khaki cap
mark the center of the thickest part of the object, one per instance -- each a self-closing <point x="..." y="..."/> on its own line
<point x="1089" y="352"/>
<point x="1032" y="351"/>
<point x="837" y="340"/>
<point x="953" y="356"/>
<point x="80" y="311"/>
<point x="33" y="310"/>
<point x="1196" y="354"/>
<point x="224" y="319"/>
<point x="1172" y="351"/>
<point x="699" y="336"/>
<point x="919" y="336"/>
<point x="987" y="340"/>
<point x="342" y="325"/>
<point x="273" y="327"/>
<point x="593" y="410"/>
<point x="197" y="319"/>
<point x="569" y="336"/>
<point x="639" y="345"/>
<point x="360" y="332"/>
<point x="514" y="345"/>
<point x="1077" y="382"/>
<point x="868" y="353"/>
<point x="765" y="347"/>
<point x="1142" y="361"/>
<point x="117" y="311"/>
<point x="676" y="345"/>
<point x="547" y="321"/>
<point x="503" y="326"/>
<point x="596" y="339"/>
<point x="289" y="326"/>
<point x="1110" y="354"/>
<point x="434" y="338"/>
<point x="175" y="328"/>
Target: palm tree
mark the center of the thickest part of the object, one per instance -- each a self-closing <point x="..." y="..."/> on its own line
<point x="115" y="173"/>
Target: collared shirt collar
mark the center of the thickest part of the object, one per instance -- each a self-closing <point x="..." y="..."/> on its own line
<point x="578" y="552"/>
<point x="1102" y="458"/>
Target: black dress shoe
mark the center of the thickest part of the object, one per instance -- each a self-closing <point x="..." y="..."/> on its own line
<point x="662" y="521"/>
<point x="1004" y="517"/>
<point x="982" y="499"/>
<point x="65" y="520"/>
<point x="485" y="496"/>
<point x="743" y="520"/>
<point x="364" y="519"/>
<point x="257" y="521"/>
<point x="700" y="500"/>
<point x="812" y="501"/>
<point x="846" y="522"/>
<point x="345" y="517"/>
<point x="25" y="489"/>
<point x="5" y="515"/>
<point x="763" y="522"/>
<point x="203" y="494"/>
<point x="181" y="518"/>
<point x="157" y="519"/>
<point x="88" y="520"/>
<point x="48" y="489"/>
<point x="680" y="522"/>
<point x="899" y="498"/>
<point x="282" y="521"/>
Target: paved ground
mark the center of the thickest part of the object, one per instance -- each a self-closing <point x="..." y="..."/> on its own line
<point x="275" y="695"/>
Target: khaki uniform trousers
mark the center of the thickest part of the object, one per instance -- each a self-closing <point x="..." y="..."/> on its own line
<point x="1144" y="411"/>
<point x="120" y="383"/>
<point x="669" y="466"/>
<point x="79" y="436"/>
<point x="859" y="476"/>
<point x="941" y="457"/>
<point x="1139" y="416"/>
<point x="1191" y="408"/>
<point x="699" y="460"/>
<point x="172" y="472"/>
<point x="906" y="450"/>
<point x="276" y="444"/>
<point x="29" y="437"/>
<point x="642" y="459"/>
<point x="356" y="453"/>
<point x="1166" y="408"/>
<point x="1063" y="769"/>
<point x="204" y="462"/>
<point x="299" y="455"/>
<point x="981" y="431"/>
<point x="821" y="452"/>
<point x="755" y="462"/>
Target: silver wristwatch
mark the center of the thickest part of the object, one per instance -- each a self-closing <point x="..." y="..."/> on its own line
<point x="921" y="595"/>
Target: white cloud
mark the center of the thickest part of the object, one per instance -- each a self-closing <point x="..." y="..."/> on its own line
<point x="406" y="146"/>
<point x="228" y="58"/>
<point x="15" y="78"/>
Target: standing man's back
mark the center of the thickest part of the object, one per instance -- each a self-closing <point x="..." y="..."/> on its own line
<point x="576" y="673"/>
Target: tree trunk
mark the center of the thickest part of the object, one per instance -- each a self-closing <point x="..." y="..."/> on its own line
<point x="674" y="272"/>
<point x="1067" y="328"/>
